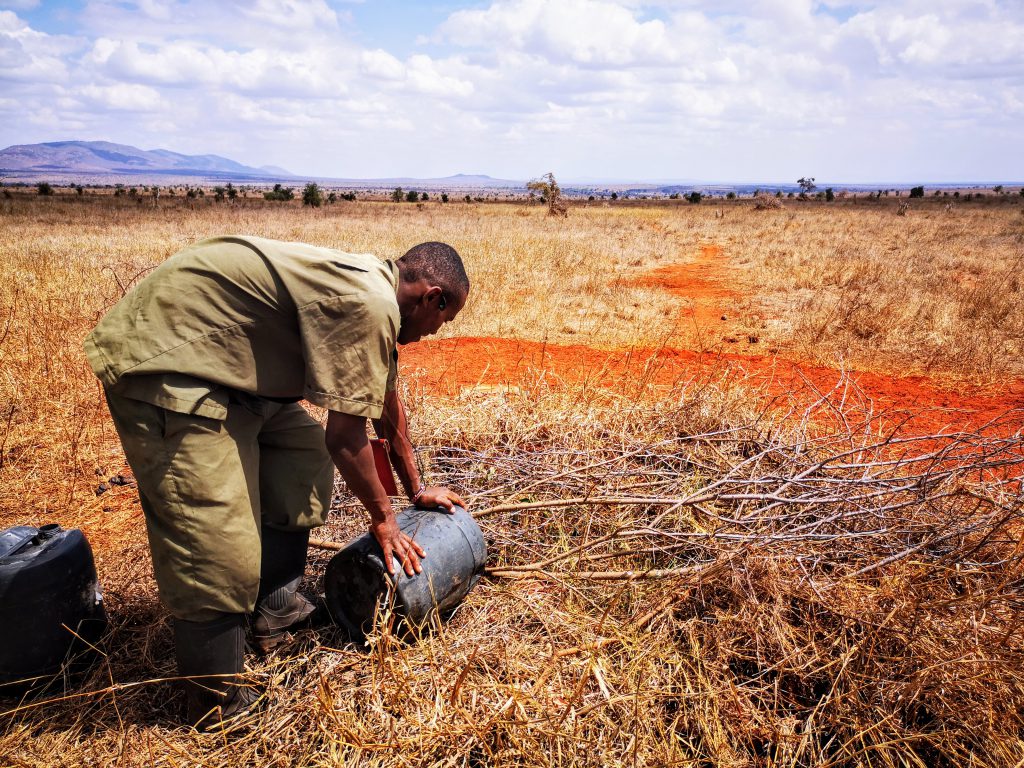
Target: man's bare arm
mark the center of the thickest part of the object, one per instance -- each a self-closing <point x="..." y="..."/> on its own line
<point x="351" y="452"/>
<point x="393" y="426"/>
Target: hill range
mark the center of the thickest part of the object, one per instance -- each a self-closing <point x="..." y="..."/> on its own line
<point x="101" y="158"/>
<point x="103" y="162"/>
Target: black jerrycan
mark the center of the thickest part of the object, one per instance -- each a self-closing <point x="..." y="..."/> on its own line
<point x="51" y="607"/>
<point x="356" y="581"/>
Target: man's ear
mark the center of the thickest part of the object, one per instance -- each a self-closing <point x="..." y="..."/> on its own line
<point x="432" y="294"/>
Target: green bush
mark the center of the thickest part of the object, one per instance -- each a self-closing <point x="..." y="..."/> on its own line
<point x="917" y="191"/>
<point x="829" y="195"/>
<point x="694" y="198"/>
<point x="412" y="196"/>
<point x="279" y="193"/>
<point x="44" y="189"/>
<point x="312" y="196"/>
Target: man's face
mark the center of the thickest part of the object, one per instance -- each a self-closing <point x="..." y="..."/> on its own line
<point x="434" y="308"/>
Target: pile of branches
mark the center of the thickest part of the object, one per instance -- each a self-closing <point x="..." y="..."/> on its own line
<point x="847" y="596"/>
<point x="766" y="202"/>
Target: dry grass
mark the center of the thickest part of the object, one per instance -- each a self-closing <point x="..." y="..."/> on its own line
<point x="937" y="292"/>
<point x="752" y="587"/>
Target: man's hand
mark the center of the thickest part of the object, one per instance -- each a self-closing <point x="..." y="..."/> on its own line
<point x="435" y="496"/>
<point x="397" y="545"/>
<point x="348" y="446"/>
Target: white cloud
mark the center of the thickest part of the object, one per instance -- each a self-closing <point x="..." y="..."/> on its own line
<point x="952" y="45"/>
<point x="291" y="15"/>
<point x="426" y="76"/>
<point x="180" y="63"/>
<point x="123" y="97"/>
<point x="589" y="32"/>
<point x="381" y="64"/>
<point x="278" y="24"/>
<point x="157" y="10"/>
<point x="616" y="87"/>
<point x="30" y="56"/>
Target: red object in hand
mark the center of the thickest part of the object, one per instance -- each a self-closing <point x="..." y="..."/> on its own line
<point x="382" y="462"/>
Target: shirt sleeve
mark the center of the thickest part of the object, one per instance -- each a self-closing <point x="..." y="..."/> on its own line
<point x="393" y="371"/>
<point x="348" y="344"/>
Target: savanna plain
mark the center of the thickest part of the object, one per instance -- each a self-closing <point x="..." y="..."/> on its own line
<point x="750" y="480"/>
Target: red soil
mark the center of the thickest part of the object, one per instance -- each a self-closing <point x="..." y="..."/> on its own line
<point x="451" y="365"/>
<point x="708" y="287"/>
<point x="703" y="281"/>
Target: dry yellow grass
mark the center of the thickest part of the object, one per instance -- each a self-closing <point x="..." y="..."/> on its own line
<point x="873" y="619"/>
<point x="935" y="292"/>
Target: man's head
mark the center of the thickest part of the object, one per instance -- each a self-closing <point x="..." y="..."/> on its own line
<point x="432" y="289"/>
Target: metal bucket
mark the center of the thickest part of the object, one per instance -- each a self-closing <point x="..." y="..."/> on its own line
<point x="356" y="582"/>
<point x="51" y="607"/>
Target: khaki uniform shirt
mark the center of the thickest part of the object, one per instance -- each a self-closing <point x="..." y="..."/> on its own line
<point x="269" y="318"/>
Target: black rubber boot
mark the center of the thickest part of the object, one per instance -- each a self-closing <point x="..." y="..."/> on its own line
<point x="279" y="604"/>
<point x="211" y="655"/>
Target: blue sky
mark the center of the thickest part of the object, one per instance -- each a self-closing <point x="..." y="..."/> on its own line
<point x="861" y="92"/>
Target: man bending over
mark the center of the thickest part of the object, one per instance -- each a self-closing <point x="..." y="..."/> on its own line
<point x="203" y="364"/>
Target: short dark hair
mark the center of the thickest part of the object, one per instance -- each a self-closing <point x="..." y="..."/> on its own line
<point x="438" y="263"/>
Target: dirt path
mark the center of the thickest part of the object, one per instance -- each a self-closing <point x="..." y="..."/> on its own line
<point x="706" y="287"/>
<point x="451" y="365"/>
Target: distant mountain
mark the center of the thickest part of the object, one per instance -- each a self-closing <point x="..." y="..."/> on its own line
<point x="275" y="170"/>
<point x="94" y="158"/>
<point x="479" y="178"/>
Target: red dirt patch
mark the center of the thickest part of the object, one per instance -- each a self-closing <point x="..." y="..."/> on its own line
<point x="706" y="284"/>
<point x="449" y="366"/>
<point x="706" y="276"/>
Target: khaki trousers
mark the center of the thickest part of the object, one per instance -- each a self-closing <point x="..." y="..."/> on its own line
<point x="208" y="487"/>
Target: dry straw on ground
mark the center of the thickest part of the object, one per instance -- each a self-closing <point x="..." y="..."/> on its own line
<point x="678" y="577"/>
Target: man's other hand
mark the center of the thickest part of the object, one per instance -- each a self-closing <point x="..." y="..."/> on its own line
<point x="397" y="546"/>
<point x="436" y="496"/>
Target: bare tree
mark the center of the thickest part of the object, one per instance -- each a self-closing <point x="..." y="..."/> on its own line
<point x="550" y="193"/>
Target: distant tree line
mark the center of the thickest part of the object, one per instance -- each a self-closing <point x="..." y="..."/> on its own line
<point x="412" y="196"/>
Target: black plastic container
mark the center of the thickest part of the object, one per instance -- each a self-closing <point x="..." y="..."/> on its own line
<point x="51" y="607"/>
<point x="356" y="581"/>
